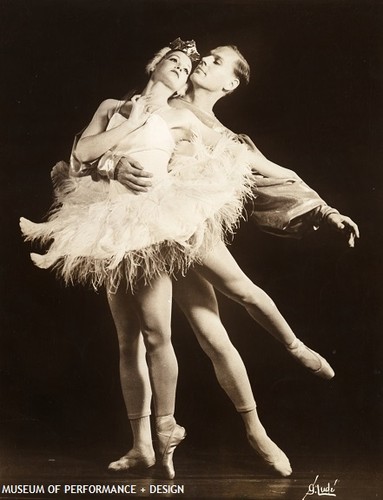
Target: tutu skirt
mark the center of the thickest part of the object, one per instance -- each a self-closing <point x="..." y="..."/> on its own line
<point x="102" y="233"/>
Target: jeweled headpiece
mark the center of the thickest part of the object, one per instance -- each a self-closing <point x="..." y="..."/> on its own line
<point x="188" y="47"/>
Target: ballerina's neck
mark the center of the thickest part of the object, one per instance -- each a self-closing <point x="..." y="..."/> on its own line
<point x="158" y="94"/>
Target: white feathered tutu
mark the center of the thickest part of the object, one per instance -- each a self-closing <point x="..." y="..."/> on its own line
<point x="102" y="233"/>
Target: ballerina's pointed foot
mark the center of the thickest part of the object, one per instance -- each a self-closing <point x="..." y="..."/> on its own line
<point x="280" y="463"/>
<point x="167" y="443"/>
<point x="132" y="460"/>
<point x="310" y="359"/>
<point x="271" y="454"/>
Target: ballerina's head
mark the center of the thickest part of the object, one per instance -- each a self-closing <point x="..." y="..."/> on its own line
<point x="173" y="64"/>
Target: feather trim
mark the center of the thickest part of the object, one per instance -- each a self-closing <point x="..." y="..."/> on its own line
<point x="100" y="233"/>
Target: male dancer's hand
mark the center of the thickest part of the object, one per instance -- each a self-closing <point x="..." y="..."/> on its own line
<point x="345" y="225"/>
<point x="132" y="175"/>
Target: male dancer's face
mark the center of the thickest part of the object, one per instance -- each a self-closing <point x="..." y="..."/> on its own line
<point x="216" y="70"/>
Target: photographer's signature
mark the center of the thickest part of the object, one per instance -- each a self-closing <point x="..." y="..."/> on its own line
<point x="327" y="490"/>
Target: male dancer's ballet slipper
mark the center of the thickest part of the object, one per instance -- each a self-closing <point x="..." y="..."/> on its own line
<point x="167" y="444"/>
<point x="275" y="458"/>
<point x="310" y="359"/>
<point x="132" y="460"/>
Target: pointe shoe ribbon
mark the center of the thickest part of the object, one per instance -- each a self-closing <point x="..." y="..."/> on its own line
<point x="308" y="358"/>
<point x="167" y="444"/>
<point x="132" y="461"/>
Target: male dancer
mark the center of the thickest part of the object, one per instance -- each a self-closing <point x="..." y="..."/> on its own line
<point x="297" y="208"/>
<point x="217" y="75"/>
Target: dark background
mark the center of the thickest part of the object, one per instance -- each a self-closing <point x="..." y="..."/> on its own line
<point x="314" y="104"/>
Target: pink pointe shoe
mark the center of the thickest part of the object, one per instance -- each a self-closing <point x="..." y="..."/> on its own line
<point x="167" y="444"/>
<point x="132" y="460"/>
<point x="310" y="359"/>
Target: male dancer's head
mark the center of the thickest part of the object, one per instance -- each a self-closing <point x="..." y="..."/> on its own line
<point x="218" y="74"/>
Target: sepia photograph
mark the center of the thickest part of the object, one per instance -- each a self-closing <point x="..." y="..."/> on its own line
<point x="192" y="249"/>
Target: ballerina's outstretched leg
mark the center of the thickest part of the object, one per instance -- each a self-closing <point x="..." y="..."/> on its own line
<point x="220" y="268"/>
<point x="263" y="445"/>
<point x="197" y="299"/>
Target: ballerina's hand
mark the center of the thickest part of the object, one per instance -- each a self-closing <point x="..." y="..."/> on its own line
<point x="140" y="111"/>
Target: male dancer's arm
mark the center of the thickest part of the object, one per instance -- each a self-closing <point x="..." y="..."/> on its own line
<point x="290" y="208"/>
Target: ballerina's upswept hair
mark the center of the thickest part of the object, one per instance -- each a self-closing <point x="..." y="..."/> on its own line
<point x="151" y="66"/>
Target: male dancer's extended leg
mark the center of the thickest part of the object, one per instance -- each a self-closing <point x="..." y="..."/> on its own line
<point x="222" y="271"/>
<point x="196" y="298"/>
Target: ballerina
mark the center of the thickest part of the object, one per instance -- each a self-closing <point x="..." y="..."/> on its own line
<point x="99" y="233"/>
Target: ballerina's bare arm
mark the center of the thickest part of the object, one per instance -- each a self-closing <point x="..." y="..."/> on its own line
<point x="210" y="137"/>
<point x="259" y="162"/>
<point x="264" y="166"/>
<point x="96" y="140"/>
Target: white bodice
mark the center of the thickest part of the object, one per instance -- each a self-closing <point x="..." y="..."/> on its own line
<point x="151" y="145"/>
